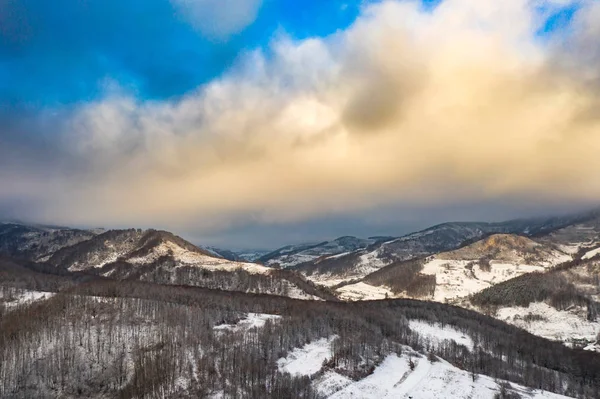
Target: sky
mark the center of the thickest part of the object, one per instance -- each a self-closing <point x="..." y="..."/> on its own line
<point x="258" y="123"/>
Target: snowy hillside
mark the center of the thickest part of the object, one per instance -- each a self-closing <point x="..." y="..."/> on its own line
<point x="409" y="375"/>
<point x="131" y="339"/>
<point x="138" y="247"/>
<point x="38" y="242"/>
<point x="570" y="325"/>
<point x="394" y="378"/>
<point x="562" y="304"/>
<point x="441" y="238"/>
<point x="297" y="254"/>
<point x="161" y="257"/>
<point x="14" y="297"/>
<point x="579" y="235"/>
<point x="459" y="273"/>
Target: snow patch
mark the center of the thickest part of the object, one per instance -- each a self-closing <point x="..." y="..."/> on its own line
<point x="252" y="320"/>
<point x="364" y="292"/>
<point x="309" y="359"/>
<point x="553" y="324"/>
<point x="15" y="298"/>
<point x="455" y="280"/>
<point x="591" y="253"/>
<point x="437" y="334"/>
<point x="394" y="379"/>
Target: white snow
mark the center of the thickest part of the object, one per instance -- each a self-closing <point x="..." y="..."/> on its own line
<point x="563" y="326"/>
<point x="18" y="297"/>
<point x="437" y="334"/>
<point x="252" y="320"/>
<point x="591" y="253"/>
<point x="309" y="359"/>
<point x="394" y="379"/>
<point x="594" y="347"/>
<point x="338" y="255"/>
<point x="363" y="292"/>
<point x="295" y="292"/>
<point x="369" y="263"/>
<point x="286" y="261"/>
<point x="454" y="280"/>
<point x="190" y="258"/>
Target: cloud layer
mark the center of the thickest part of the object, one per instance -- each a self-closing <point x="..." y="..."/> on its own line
<point x="219" y="18"/>
<point x="407" y="106"/>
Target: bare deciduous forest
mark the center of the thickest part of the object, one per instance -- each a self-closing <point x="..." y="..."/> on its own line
<point x="135" y="339"/>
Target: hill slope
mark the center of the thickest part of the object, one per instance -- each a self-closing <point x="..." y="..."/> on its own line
<point x="162" y="257"/>
<point x="132" y="339"/>
<point x="451" y="275"/>
<point x="441" y="238"/>
<point x="37" y="242"/>
<point x="293" y="255"/>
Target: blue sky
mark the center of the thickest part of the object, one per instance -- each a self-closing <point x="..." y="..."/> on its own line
<point x="66" y="138"/>
<point x="64" y="51"/>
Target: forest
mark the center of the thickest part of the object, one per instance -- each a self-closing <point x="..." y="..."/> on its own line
<point x="104" y="338"/>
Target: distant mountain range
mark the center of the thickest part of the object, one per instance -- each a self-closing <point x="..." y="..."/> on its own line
<point x="145" y="313"/>
<point x="450" y="262"/>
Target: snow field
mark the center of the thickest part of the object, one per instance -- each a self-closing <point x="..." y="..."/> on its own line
<point x="252" y="320"/>
<point x="438" y="334"/>
<point x="554" y="324"/>
<point x="393" y="378"/>
<point x="309" y="359"/>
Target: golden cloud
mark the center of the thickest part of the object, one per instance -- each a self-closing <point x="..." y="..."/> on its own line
<point x="405" y="106"/>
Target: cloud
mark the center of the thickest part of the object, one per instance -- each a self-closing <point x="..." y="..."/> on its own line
<point x="407" y="106"/>
<point x="219" y="18"/>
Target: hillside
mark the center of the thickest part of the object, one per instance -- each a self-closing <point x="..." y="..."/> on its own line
<point x="37" y="242"/>
<point x="577" y="236"/>
<point x="293" y="255"/>
<point x="561" y="304"/>
<point x="143" y="313"/>
<point x="449" y="276"/>
<point x="132" y="339"/>
<point x="162" y="257"/>
<point x="445" y="237"/>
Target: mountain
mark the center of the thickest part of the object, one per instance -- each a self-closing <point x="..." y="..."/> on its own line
<point x="144" y="313"/>
<point x="134" y="339"/>
<point x="574" y="237"/>
<point x="38" y="242"/>
<point x="538" y="285"/>
<point x="246" y="255"/>
<point x="441" y="238"/>
<point x="561" y="304"/>
<point x="449" y="276"/>
<point x="162" y="257"/>
<point x="293" y="255"/>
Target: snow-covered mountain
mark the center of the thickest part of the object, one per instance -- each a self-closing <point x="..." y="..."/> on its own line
<point x="127" y="313"/>
<point x="449" y="276"/>
<point x="38" y="242"/>
<point x="162" y="257"/>
<point x="246" y="255"/>
<point x="561" y="304"/>
<point x="577" y="236"/>
<point x="293" y="255"/>
<point x="445" y="237"/>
